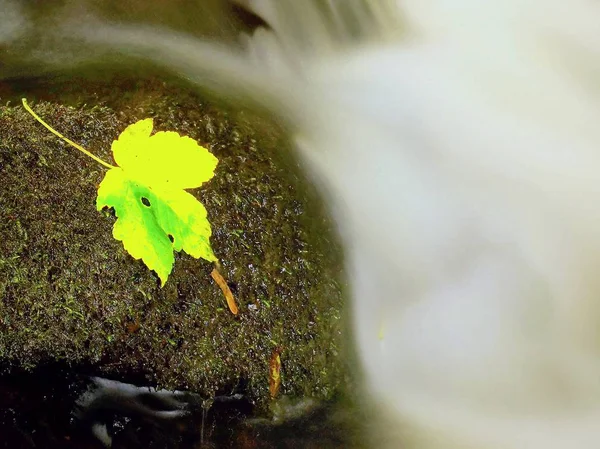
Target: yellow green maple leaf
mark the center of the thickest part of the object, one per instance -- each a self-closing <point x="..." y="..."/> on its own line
<point x="155" y="215"/>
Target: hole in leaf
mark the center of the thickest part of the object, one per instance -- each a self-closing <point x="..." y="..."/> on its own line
<point x="145" y="201"/>
<point x="171" y="238"/>
<point x="109" y="211"/>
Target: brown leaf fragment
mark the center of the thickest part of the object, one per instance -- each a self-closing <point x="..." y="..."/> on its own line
<point x="275" y="372"/>
<point x="220" y="280"/>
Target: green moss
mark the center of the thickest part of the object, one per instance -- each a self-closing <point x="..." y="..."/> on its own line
<point x="69" y="291"/>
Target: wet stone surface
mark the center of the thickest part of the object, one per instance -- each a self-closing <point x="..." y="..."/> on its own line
<point x="70" y="293"/>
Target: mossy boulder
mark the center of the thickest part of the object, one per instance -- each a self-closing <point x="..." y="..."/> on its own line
<point x="70" y="293"/>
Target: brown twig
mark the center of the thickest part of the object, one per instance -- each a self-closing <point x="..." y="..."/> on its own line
<point x="220" y="280"/>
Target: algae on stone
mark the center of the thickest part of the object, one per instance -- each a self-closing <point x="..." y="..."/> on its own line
<point x="69" y="292"/>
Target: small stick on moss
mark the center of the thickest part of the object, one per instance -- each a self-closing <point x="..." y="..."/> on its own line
<point x="275" y="372"/>
<point x="220" y="280"/>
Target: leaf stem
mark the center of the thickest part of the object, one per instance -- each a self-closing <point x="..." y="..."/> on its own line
<point x="70" y="142"/>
